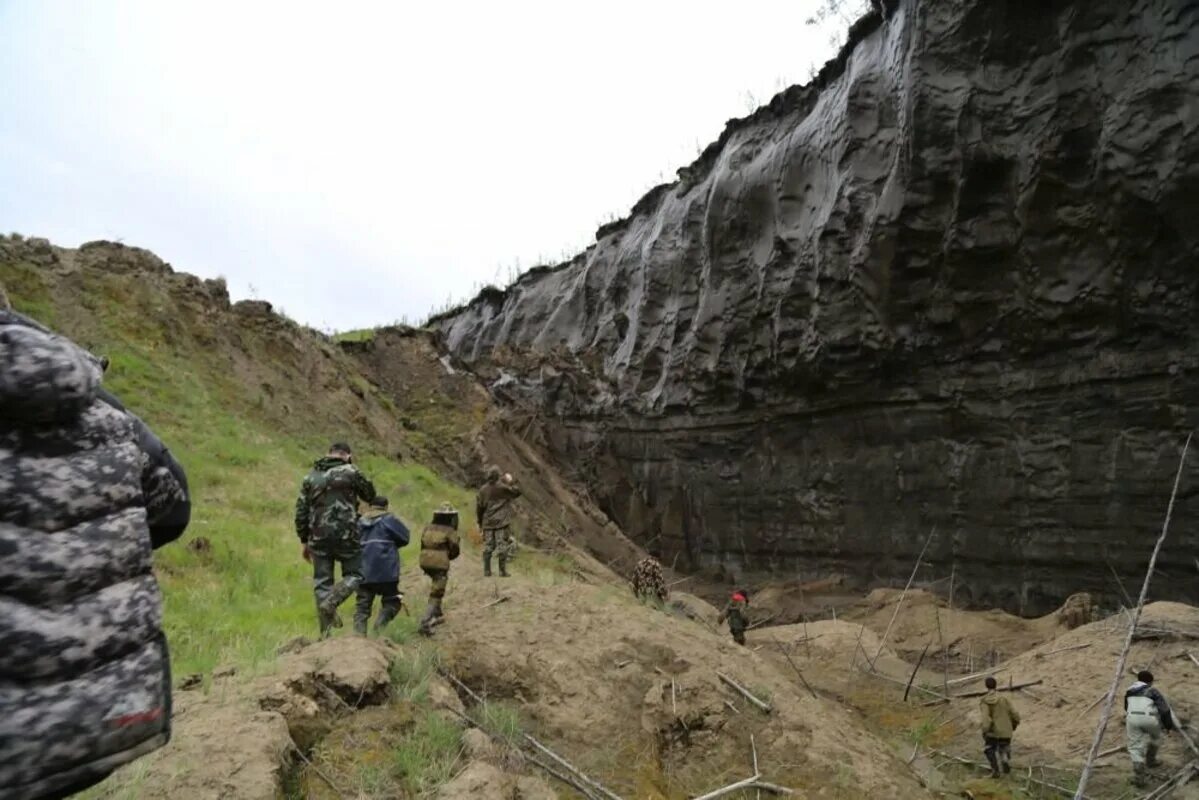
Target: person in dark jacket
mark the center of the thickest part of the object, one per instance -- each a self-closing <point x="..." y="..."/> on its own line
<point x="1146" y="715"/>
<point x="87" y="491"/>
<point x="382" y="536"/>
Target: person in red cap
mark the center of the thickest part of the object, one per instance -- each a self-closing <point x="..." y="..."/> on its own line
<point x="735" y="612"/>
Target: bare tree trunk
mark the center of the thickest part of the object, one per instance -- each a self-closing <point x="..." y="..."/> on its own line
<point x="1101" y="728"/>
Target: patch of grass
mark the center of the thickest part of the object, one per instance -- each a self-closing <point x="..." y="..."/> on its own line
<point x="428" y="755"/>
<point x="411" y="672"/>
<point x="502" y="721"/>
<point x="358" y="335"/>
<point x="249" y="591"/>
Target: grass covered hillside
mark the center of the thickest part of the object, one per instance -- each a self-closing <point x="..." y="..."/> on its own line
<point x="246" y="399"/>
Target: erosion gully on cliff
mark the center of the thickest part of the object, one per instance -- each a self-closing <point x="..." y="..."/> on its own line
<point x="949" y="284"/>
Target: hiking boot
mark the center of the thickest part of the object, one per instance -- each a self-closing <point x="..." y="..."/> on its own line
<point x="328" y="621"/>
<point x="487" y="565"/>
<point x="503" y="567"/>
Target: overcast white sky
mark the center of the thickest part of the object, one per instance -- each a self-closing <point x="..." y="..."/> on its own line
<point x="356" y="163"/>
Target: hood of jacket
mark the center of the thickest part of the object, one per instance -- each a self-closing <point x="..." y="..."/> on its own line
<point x="991" y="697"/>
<point x="1137" y="687"/>
<point x="43" y="377"/>
<point x="326" y="463"/>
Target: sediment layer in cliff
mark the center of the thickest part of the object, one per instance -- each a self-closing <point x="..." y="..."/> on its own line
<point x="951" y="284"/>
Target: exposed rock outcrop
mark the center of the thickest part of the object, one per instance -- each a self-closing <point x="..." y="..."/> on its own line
<point x="949" y="284"/>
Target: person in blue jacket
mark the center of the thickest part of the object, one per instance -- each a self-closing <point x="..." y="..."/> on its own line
<point x="382" y="536"/>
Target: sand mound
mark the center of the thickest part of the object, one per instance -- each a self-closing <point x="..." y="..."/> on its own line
<point x="238" y="738"/>
<point x="631" y="694"/>
<point x="971" y="640"/>
<point x="1075" y="670"/>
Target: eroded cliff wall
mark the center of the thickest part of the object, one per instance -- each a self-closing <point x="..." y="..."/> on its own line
<point x="952" y="283"/>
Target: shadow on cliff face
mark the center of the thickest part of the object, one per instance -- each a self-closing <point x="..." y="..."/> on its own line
<point x="949" y="285"/>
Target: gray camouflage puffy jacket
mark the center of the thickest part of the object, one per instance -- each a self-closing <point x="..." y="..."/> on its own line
<point x="84" y="487"/>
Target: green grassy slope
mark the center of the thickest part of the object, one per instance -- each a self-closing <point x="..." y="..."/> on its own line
<point x="246" y="400"/>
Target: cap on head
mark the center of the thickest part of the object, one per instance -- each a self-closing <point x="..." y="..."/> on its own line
<point x="340" y="448"/>
<point x="493" y="473"/>
<point x="990" y="682"/>
<point x="1145" y="676"/>
<point x="379" y="502"/>
<point x="744" y="593"/>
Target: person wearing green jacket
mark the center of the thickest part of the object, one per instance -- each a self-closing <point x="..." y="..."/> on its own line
<point x="999" y="722"/>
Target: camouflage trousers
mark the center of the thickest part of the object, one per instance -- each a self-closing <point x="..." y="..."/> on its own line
<point x="330" y="594"/>
<point x="433" y="613"/>
<point x="440" y="578"/>
<point x="498" y="540"/>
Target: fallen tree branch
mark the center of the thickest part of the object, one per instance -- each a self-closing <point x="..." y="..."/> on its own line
<point x="973" y="676"/>
<point x="915" y="569"/>
<point x="732" y="787"/>
<point x="317" y="770"/>
<point x="598" y="787"/>
<point x="940" y="697"/>
<point x="1178" y="779"/>
<point x="746" y="693"/>
<point x="762" y="622"/>
<point x="1063" y="650"/>
<point x="495" y="602"/>
<point x="908" y="689"/>
<point x="1101" y="728"/>
<point x="787" y="656"/>
<point x="1009" y="688"/>
<point x="567" y="779"/>
<point x="977" y="765"/>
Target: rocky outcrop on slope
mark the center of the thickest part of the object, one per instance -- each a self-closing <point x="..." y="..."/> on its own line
<point x="950" y="284"/>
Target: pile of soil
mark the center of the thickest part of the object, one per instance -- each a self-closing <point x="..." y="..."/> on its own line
<point x="630" y="692"/>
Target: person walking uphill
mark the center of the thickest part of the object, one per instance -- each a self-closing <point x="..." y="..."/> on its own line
<point x="87" y="491"/>
<point x="1146" y="715"/>
<point x="493" y="510"/>
<point x="439" y="545"/>
<point x="381" y="536"/>
<point x="999" y="722"/>
<point x="735" y="612"/>
<point x="327" y="524"/>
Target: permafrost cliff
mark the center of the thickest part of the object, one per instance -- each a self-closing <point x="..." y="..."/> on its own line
<point x="951" y="284"/>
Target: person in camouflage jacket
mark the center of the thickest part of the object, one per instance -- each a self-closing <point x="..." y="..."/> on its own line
<point x="648" y="583"/>
<point x="87" y="491"/>
<point x="493" y="511"/>
<point x="327" y="524"/>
